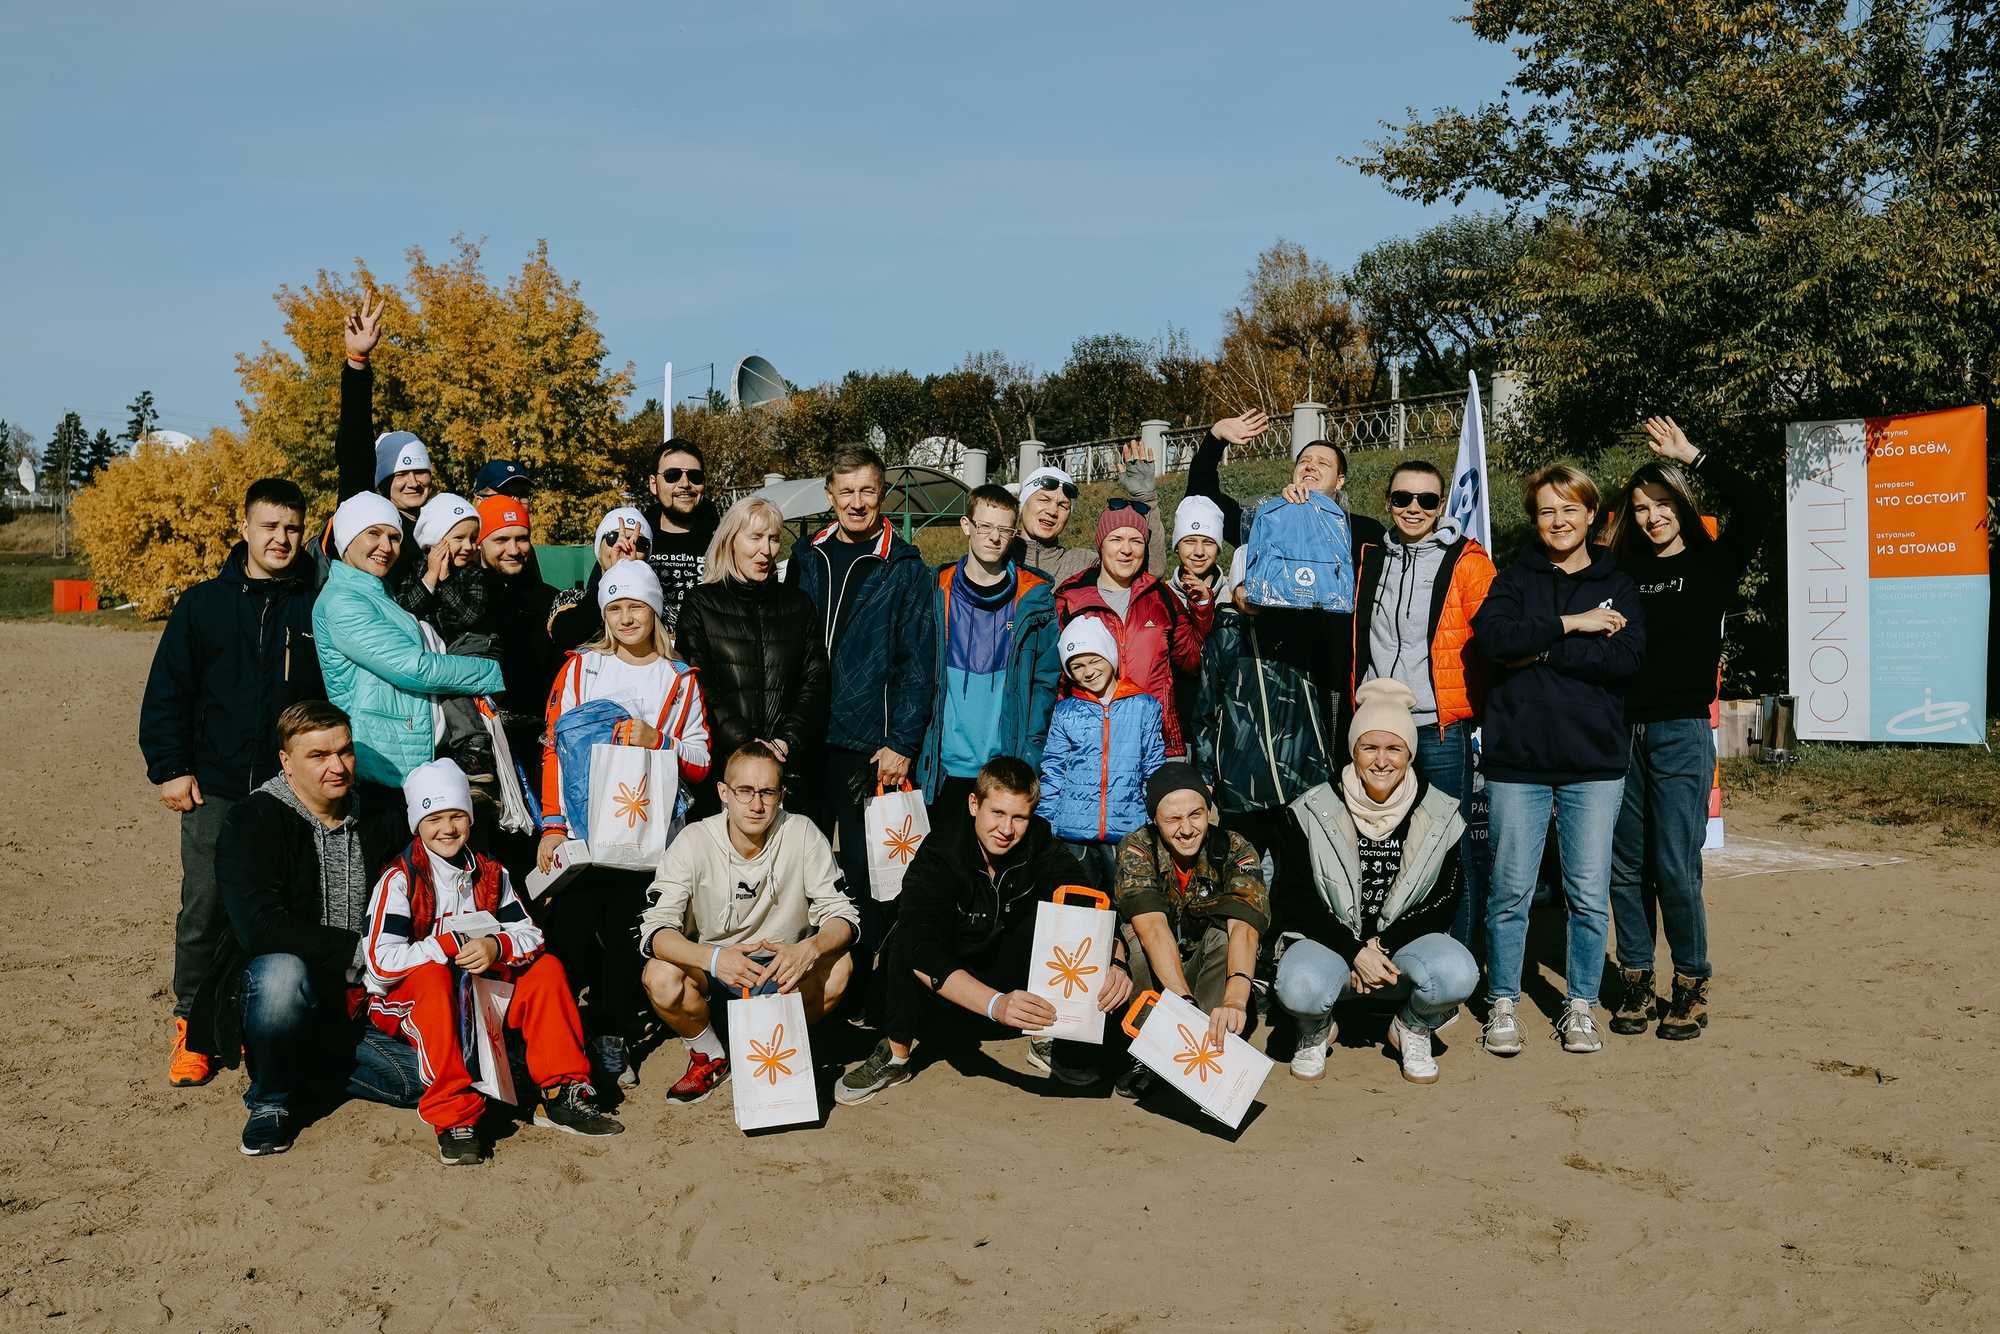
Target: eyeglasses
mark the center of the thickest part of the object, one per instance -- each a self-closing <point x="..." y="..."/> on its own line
<point x="672" y="475"/>
<point x="755" y="796"/>
<point x="991" y="529"/>
<point x="639" y="540"/>
<point x="1423" y="500"/>
<point x="1138" y="507"/>
<point x="1053" y="484"/>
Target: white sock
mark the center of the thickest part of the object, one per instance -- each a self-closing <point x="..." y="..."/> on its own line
<point x="707" y="1044"/>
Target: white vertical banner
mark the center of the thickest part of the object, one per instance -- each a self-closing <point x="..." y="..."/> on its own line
<point x="667" y="406"/>
<point x="1826" y="546"/>
<point x="1468" y="504"/>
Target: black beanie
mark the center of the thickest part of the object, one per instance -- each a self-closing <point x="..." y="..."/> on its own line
<point x="1171" y="777"/>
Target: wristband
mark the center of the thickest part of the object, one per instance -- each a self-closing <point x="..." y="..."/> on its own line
<point x="1245" y="976"/>
<point x="1119" y="964"/>
<point x="990" y="1004"/>
<point x="714" y="958"/>
<point x="361" y="357"/>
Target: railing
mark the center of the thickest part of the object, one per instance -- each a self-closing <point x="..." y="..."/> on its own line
<point x="15" y="500"/>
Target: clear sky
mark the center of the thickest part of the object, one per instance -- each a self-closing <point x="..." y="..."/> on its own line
<point x="834" y="185"/>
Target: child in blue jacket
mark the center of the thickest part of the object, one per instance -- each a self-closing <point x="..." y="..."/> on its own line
<point x="1106" y="738"/>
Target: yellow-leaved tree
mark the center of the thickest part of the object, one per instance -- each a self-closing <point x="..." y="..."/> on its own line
<point x="160" y="520"/>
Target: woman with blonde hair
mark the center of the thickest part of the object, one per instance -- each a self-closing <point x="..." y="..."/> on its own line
<point x="757" y="645"/>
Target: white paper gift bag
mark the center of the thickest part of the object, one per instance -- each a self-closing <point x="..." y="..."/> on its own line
<point x="894" y="824"/>
<point x="485" y="1035"/>
<point x="632" y="801"/>
<point x="770" y="1062"/>
<point x="1173" y="1043"/>
<point x="1072" y="960"/>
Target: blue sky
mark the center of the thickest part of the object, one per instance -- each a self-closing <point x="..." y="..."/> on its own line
<point x="832" y="185"/>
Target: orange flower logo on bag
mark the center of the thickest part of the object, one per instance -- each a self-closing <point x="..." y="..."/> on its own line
<point x="1201" y="1059"/>
<point x="1069" y="971"/>
<point x="901" y="843"/>
<point x="632" y="803"/>
<point x="768" y="1058"/>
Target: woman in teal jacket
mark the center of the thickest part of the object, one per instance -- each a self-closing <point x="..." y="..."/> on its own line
<point x="372" y="653"/>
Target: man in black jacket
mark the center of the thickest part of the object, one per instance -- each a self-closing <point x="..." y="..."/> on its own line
<point x="684" y="520"/>
<point x="957" y="963"/>
<point x="295" y="864"/>
<point x="237" y="651"/>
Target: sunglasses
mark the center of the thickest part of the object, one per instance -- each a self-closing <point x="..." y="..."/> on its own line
<point x="672" y="475"/>
<point x="611" y="539"/>
<point x="1423" y="500"/>
<point x="1055" y="483"/>
<point x="1139" y="507"/>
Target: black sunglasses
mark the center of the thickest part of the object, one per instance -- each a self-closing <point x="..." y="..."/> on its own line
<point x="640" y="540"/>
<point x="1121" y="503"/>
<point x="672" y="475"/>
<point x="1423" y="500"/>
<point x="1053" y="483"/>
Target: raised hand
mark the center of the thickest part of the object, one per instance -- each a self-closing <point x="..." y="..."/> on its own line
<point x="1667" y="440"/>
<point x="364" y="328"/>
<point x="1243" y="428"/>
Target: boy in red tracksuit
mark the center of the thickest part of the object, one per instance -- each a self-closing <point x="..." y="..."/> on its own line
<point x="417" y="972"/>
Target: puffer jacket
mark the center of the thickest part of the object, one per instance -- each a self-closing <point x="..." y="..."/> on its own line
<point x="372" y="655"/>
<point x="236" y="653"/>
<point x="1034" y="677"/>
<point x="877" y="634"/>
<point x="1457" y="673"/>
<point x="1156" y="637"/>
<point x="1096" y="763"/>
<point x="1258" y="732"/>
<point x="762" y="667"/>
<point x="1318" y="890"/>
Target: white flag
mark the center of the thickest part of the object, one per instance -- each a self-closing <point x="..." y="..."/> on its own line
<point x="1468" y="505"/>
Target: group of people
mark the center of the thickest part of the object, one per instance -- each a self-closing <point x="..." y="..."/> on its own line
<point x="372" y="736"/>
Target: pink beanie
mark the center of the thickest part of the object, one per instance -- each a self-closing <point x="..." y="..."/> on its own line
<point x="1111" y="520"/>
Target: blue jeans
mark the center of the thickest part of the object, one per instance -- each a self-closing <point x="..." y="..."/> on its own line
<point x="1438" y="974"/>
<point x="297" y="1041"/>
<point x="1444" y="761"/>
<point x="1656" y="857"/>
<point x="1586" y="816"/>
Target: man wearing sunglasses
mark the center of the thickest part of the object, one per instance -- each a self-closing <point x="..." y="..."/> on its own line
<point x="1414" y="598"/>
<point x="1047" y="497"/>
<point x="683" y="520"/>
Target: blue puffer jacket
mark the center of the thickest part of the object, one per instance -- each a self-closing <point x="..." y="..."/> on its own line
<point x="1097" y="761"/>
<point x="878" y="631"/>
<point x="1033" y="674"/>
<point x="372" y="655"/>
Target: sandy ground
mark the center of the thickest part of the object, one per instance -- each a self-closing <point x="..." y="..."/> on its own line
<point x="1823" y="1159"/>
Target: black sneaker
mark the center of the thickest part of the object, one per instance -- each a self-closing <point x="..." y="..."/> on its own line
<point x="459" y="1147"/>
<point x="1135" y="1083"/>
<point x="570" y="1108"/>
<point x="881" y="1070"/>
<point x="1075" y="1064"/>
<point x="267" y="1132"/>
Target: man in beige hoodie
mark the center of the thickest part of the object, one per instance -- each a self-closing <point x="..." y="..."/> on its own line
<point x="750" y="899"/>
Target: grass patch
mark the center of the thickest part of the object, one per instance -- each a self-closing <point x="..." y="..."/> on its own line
<point x="1952" y="789"/>
<point x="26" y="593"/>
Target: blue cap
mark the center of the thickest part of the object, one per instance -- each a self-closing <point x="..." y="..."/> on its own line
<point x="500" y="475"/>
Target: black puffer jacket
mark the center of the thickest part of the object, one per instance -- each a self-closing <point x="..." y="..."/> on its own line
<point x="518" y="612"/>
<point x="763" y="667"/>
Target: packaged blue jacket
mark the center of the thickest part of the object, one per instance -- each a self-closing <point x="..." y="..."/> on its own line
<point x="1300" y="555"/>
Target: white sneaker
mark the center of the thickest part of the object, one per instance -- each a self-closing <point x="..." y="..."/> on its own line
<point x="1309" y="1057"/>
<point x="1502" y="1035"/>
<point x="1413" y="1043"/>
<point x="1041" y="1054"/>
<point x="1578" y="1028"/>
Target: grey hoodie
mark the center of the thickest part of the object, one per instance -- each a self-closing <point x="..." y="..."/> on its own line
<point x="1399" y="628"/>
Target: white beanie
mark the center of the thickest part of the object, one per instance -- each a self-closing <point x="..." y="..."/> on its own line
<point x="399" y="451"/>
<point x="440" y="514"/>
<point x="1383" y="705"/>
<point x="437" y="786"/>
<point x="358" y="513"/>
<point x="1028" y="482"/>
<point x="631" y="579"/>
<point x="1089" y="634"/>
<point x="621" y="519"/>
<point x="1198" y="516"/>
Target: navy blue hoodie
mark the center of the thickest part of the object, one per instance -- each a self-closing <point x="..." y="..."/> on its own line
<point x="1559" y="718"/>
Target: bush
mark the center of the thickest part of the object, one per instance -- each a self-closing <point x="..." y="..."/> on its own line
<point x="153" y="524"/>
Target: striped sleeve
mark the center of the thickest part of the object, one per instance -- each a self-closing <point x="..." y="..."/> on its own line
<point x="686" y="728"/>
<point x="520" y="938"/>
<point x="562" y="697"/>
<point x="390" y="953"/>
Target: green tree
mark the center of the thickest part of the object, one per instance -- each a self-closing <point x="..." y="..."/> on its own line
<point x="1106" y="388"/>
<point x="98" y="454"/>
<point x="1438" y="301"/>
<point x="143" y="419"/>
<point x="68" y="454"/>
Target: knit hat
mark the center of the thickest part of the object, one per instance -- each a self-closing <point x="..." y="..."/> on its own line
<point x="440" y="514"/>
<point x="1198" y="516"/>
<point x="498" y="512"/>
<point x="1114" y="518"/>
<point x="358" y="513"/>
<point x="399" y="451"/>
<point x="1171" y="777"/>
<point x="631" y="579"/>
<point x="437" y="786"/>
<point x="1383" y="705"/>
<point x="623" y="518"/>
<point x="1089" y="634"/>
<point x="1042" y="474"/>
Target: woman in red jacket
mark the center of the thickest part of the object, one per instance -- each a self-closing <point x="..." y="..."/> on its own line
<point x="1156" y="634"/>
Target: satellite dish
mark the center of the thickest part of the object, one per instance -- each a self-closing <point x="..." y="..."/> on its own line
<point x="26" y="476"/>
<point x="756" y="382"/>
<point x="176" y="442"/>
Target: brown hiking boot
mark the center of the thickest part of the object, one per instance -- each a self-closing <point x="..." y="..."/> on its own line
<point x="1637" y="1005"/>
<point x="1688" y="1014"/>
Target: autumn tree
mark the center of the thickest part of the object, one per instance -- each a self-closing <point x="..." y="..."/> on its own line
<point x="1293" y="336"/>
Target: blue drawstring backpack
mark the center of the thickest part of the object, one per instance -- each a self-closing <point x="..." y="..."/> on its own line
<point x="1300" y="556"/>
<point x="588" y="724"/>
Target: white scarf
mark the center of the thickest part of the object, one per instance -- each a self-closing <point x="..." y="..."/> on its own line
<point x="1377" y="819"/>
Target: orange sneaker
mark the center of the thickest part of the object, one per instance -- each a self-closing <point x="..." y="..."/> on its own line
<point x="187" y="1068"/>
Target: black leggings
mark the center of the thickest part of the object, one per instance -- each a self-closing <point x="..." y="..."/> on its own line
<point x="592" y="926"/>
